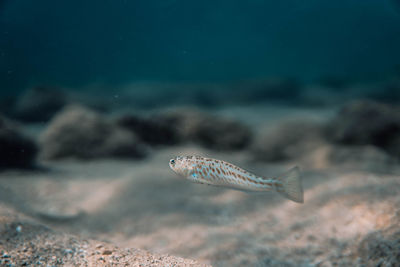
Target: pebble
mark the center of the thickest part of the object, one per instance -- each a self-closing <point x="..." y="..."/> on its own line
<point x="107" y="252"/>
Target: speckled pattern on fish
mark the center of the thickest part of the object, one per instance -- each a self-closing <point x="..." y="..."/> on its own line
<point x="221" y="173"/>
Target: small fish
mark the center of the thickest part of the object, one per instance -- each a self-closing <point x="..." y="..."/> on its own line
<point x="221" y="173"/>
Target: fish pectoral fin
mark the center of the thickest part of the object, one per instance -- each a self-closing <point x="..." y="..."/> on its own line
<point x="194" y="177"/>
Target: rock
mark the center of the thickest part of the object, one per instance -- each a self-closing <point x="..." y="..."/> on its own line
<point x="82" y="133"/>
<point x="39" y="104"/>
<point x="367" y="123"/>
<point x="288" y="140"/>
<point x="207" y="130"/>
<point x="153" y="131"/>
<point x="16" y="150"/>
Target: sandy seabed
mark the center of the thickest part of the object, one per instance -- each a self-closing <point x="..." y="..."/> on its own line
<point x="138" y="213"/>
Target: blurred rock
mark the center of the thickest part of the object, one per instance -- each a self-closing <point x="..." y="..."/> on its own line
<point x="367" y="123"/>
<point x="288" y="140"/>
<point x="153" y="131"/>
<point x="16" y="150"/>
<point x="82" y="133"/>
<point x="207" y="130"/>
<point x="39" y="104"/>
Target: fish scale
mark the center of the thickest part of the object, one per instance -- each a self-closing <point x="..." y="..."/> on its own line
<point x="221" y="173"/>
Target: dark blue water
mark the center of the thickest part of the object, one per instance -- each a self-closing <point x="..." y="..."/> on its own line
<point x="73" y="43"/>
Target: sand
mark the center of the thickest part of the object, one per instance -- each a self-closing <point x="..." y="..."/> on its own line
<point x="138" y="213"/>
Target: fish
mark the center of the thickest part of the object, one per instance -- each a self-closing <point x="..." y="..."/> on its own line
<point x="221" y="173"/>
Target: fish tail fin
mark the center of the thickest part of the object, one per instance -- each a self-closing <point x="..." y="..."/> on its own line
<point x="291" y="185"/>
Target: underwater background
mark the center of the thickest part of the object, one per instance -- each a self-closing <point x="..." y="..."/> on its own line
<point x="75" y="43"/>
<point x="97" y="96"/>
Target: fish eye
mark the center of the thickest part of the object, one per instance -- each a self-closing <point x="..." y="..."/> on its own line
<point x="172" y="161"/>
